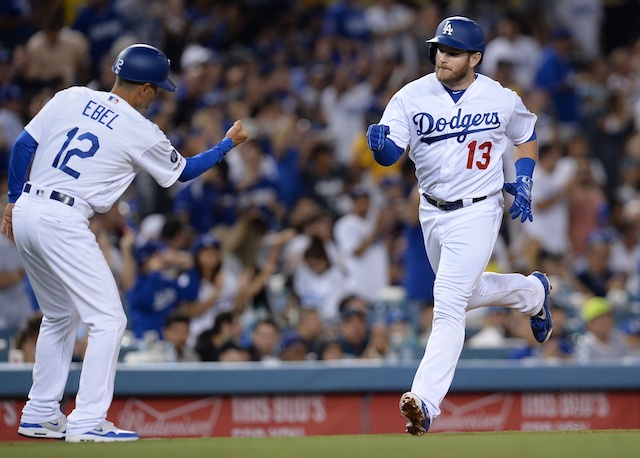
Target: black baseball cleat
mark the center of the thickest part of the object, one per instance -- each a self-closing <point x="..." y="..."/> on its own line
<point x="542" y="324"/>
<point x="413" y="409"/>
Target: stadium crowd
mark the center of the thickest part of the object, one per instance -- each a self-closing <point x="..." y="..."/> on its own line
<point x="299" y="246"/>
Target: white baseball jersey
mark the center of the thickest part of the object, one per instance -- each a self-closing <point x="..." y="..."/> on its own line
<point x="91" y="144"/>
<point x="457" y="147"/>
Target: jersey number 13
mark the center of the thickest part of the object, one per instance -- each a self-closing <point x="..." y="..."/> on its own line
<point x="485" y="155"/>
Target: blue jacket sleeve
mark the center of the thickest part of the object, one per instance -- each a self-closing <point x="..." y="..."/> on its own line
<point x="23" y="150"/>
<point x="202" y="162"/>
<point x="389" y="154"/>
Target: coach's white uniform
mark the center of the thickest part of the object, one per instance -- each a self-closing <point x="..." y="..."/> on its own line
<point x="457" y="149"/>
<point x="85" y="139"/>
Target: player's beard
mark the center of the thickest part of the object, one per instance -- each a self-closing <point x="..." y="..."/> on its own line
<point x="453" y="78"/>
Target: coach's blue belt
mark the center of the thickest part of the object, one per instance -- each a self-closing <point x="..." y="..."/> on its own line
<point x="55" y="195"/>
<point x="450" y="206"/>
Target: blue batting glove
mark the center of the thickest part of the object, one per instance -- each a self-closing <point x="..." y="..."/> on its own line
<point x="376" y="135"/>
<point x="521" y="189"/>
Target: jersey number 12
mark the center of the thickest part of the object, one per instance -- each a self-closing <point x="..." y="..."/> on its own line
<point x="95" y="144"/>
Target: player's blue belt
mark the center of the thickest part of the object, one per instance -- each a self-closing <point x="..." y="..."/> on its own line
<point x="55" y="195"/>
<point x="449" y="206"/>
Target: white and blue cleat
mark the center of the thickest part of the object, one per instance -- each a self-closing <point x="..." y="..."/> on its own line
<point x="105" y="432"/>
<point x="542" y="324"/>
<point x="47" y="430"/>
<point x="413" y="409"/>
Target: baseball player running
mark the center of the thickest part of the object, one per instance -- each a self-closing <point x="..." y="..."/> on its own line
<point x="85" y="148"/>
<point x="456" y="125"/>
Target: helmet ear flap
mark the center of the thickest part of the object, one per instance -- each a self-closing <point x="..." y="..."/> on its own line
<point x="433" y="48"/>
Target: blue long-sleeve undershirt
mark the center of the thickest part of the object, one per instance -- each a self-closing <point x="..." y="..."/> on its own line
<point x="23" y="150"/>
<point x="202" y="162"/>
<point x="389" y="154"/>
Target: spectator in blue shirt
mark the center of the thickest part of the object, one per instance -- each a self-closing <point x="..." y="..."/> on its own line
<point x="418" y="275"/>
<point x="102" y="25"/>
<point x="557" y="78"/>
<point x="155" y="293"/>
<point x="346" y="19"/>
<point x="255" y="181"/>
<point x="208" y="201"/>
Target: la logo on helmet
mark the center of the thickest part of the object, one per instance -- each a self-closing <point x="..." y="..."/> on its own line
<point x="447" y="30"/>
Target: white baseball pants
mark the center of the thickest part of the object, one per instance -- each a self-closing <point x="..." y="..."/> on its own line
<point x="72" y="282"/>
<point x="459" y="244"/>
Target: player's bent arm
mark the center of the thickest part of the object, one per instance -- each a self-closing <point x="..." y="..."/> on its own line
<point x="23" y="150"/>
<point x="526" y="156"/>
<point x="527" y="150"/>
<point x="198" y="164"/>
<point x="202" y="162"/>
<point x="388" y="155"/>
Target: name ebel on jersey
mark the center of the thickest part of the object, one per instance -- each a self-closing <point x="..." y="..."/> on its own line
<point x="427" y="125"/>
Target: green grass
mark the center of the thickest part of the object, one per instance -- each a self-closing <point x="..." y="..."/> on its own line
<point x="583" y="444"/>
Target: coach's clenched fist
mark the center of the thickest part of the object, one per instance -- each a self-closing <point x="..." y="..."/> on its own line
<point x="237" y="133"/>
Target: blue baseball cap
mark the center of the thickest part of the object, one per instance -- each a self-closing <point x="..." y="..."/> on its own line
<point x="10" y="92"/>
<point x="359" y="190"/>
<point x="631" y="327"/>
<point x="561" y="33"/>
<point x="349" y="312"/>
<point x="205" y="241"/>
<point x="397" y="316"/>
<point x="143" y="253"/>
